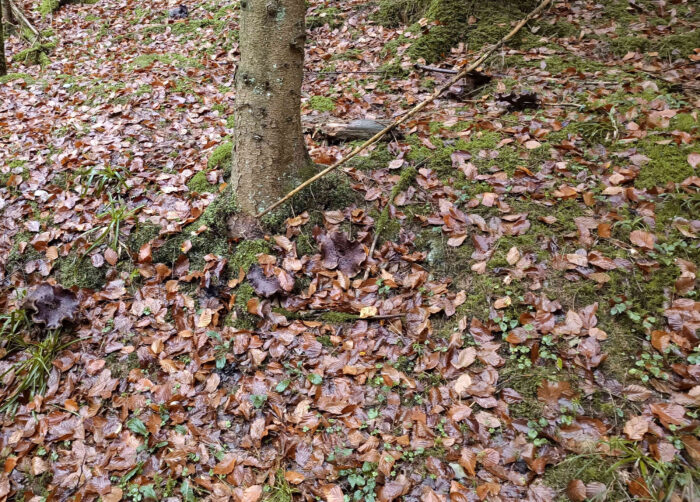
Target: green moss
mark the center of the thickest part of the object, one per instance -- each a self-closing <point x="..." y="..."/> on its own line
<point x="684" y="122"/>
<point x="393" y="69"/>
<point x="338" y="317"/>
<point x="17" y="76"/>
<point x="15" y="259"/>
<point x="679" y="45"/>
<point x="144" y="233"/>
<point x="199" y="183"/>
<point x="376" y="159"/>
<point x="221" y="157"/>
<point x="630" y="43"/>
<point x="120" y="366"/>
<point x="407" y="177"/>
<point x="393" y="13"/>
<point x="46" y="7"/>
<point x="331" y="192"/>
<point x="321" y="103"/>
<point x="244" y="292"/>
<point x="320" y="17"/>
<point x="587" y="468"/>
<point x="213" y="240"/>
<point x="525" y="382"/>
<point x="668" y="163"/>
<point x="452" y="17"/>
<point x="246" y="254"/>
<point x="194" y="26"/>
<point x="174" y="59"/>
<point x="243" y="320"/>
<point x="72" y="271"/>
<point x="36" y="54"/>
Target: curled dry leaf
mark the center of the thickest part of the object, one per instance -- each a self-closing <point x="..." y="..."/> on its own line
<point x="576" y="490"/>
<point x="636" y="427"/>
<point x="643" y="239"/>
<point x="337" y="251"/>
<point x="463" y="383"/>
<point x="52" y="305"/>
<point x="263" y="285"/>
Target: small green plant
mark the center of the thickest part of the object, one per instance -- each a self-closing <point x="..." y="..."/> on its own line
<point x="362" y="482"/>
<point x="115" y="216"/>
<point x="535" y="429"/>
<point x="258" y="400"/>
<point x="662" y="479"/>
<point x="694" y="357"/>
<point x="222" y="348"/>
<point x="649" y="365"/>
<point x="32" y="372"/>
<point x="605" y="130"/>
<point x="280" y="491"/>
<point x="99" y="178"/>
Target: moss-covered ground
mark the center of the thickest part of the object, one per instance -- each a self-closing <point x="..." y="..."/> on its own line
<point x="517" y="218"/>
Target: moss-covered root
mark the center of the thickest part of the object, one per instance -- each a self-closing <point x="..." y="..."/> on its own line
<point x="36" y="54"/>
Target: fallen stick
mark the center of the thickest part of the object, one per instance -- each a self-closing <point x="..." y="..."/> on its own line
<point x="413" y="111"/>
<point x="23" y="20"/>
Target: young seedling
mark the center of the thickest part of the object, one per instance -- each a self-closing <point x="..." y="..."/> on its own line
<point x="115" y="216"/>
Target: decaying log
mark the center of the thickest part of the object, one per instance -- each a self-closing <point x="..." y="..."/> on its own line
<point x="335" y="130"/>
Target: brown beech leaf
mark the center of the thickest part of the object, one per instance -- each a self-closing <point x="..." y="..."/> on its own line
<point x="226" y="465"/>
<point x="694" y="159"/>
<point x="293" y="477"/>
<point x="463" y="383"/>
<point x="111" y="256"/>
<point x="643" y="239"/>
<point x="333" y="493"/>
<point x="669" y="414"/>
<point x="145" y="253"/>
<point x="576" y="490"/>
<point x="637" y="393"/>
<point x="465" y="358"/>
<point x="636" y="427"/>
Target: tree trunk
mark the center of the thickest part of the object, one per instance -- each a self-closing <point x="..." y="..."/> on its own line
<point x="269" y="148"/>
<point x="3" y="61"/>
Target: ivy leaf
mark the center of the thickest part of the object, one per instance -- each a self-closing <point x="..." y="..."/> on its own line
<point x="148" y="492"/>
<point x="137" y="427"/>
<point x="282" y="386"/>
<point x="314" y="378"/>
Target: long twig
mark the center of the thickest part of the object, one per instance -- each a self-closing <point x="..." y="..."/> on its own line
<point x="19" y="14"/>
<point x="462" y="73"/>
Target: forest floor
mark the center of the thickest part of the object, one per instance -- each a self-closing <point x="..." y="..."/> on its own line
<point x="528" y="329"/>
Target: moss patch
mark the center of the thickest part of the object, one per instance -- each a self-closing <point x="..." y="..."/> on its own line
<point x="321" y="104"/>
<point x="213" y="240"/>
<point x="36" y="54"/>
<point x="199" y="183"/>
<point x="451" y="22"/>
<point x="72" y="271"/>
<point x="668" y="163"/>
<point x="16" y="76"/>
<point x="246" y="254"/>
<point x="144" y="233"/>
<point x="221" y="156"/>
<point x="329" y="15"/>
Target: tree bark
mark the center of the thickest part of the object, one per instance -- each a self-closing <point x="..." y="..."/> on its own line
<point x="3" y="61"/>
<point x="269" y="148"/>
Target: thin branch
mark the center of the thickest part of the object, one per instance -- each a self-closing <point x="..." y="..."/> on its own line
<point x="469" y="68"/>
